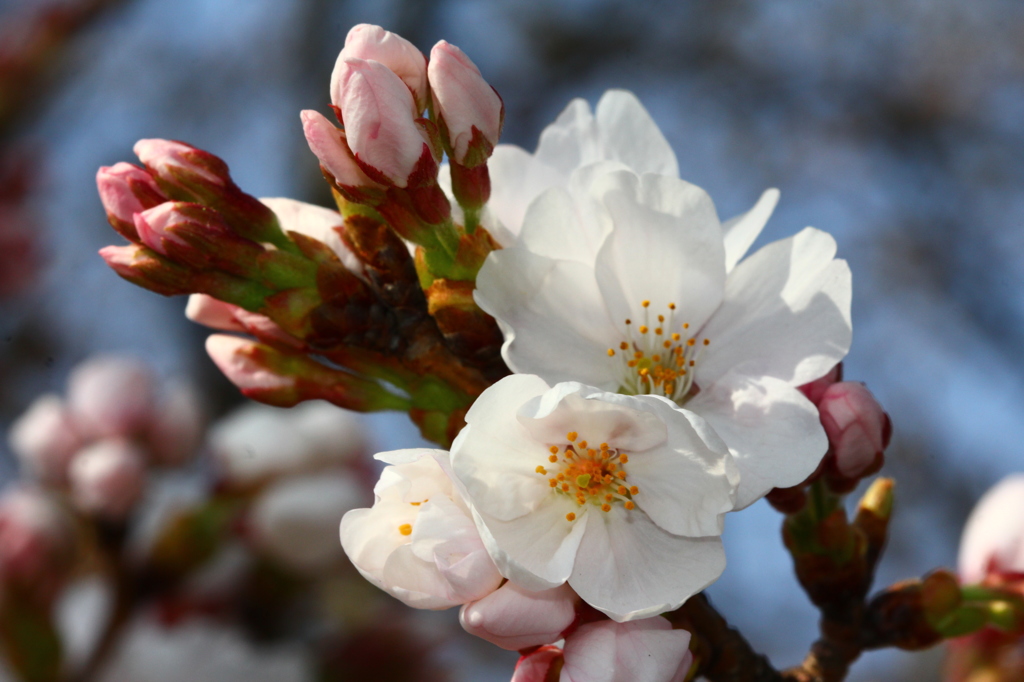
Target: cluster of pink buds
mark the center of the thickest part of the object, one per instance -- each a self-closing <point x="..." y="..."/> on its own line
<point x="37" y="546"/>
<point x="98" y="441"/>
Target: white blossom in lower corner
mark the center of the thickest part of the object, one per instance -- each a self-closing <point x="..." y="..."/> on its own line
<point x="623" y="497"/>
<point x="418" y="542"/>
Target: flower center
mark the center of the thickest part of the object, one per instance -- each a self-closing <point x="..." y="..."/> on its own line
<point x="658" y="360"/>
<point x="590" y="475"/>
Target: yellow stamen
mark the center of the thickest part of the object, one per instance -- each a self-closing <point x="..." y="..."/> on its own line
<point x="405" y="529"/>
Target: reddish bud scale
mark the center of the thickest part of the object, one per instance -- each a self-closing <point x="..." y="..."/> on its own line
<point x="471" y="186"/>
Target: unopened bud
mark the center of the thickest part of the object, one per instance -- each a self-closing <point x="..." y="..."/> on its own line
<point x="111" y="396"/>
<point x="186" y="173"/>
<point x="45" y="438"/>
<point x="381" y="126"/>
<point x="816" y="389"/>
<point x="331" y="148"/>
<point x="857" y="427"/>
<point x="108" y="478"/>
<point x="176" y="429"/>
<point x="469" y="111"/>
<point x="126" y="190"/>
<point x="366" y="41"/>
<point x="37" y="542"/>
<point x="514" y="618"/>
<point x="993" y="537"/>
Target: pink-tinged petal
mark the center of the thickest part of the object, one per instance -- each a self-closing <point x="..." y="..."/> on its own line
<point x="379" y="117"/>
<point x="552" y="315"/>
<point x="629" y="568"/>
<point x="993" y="537"/>
<point x="107" y="479"/>
<point x="666" y="248"/>
<point x="814" y="390"/>
<point x="536" y="550"/>
<point x="536" y="666"/>
<point x="45" y="438"/>
<point x="126" y="190"/>
<point x="495" y="451"/>
<point x="367" y="41"/>
<point x="786" y="313"/>
<point x="740" y="232"/>
<point x="643" y="651"/>
<point x="176" y="430"/>
<point x="514" y="618"/>
<point x="416" y="582"/>
<point x="466" y="104"/>
<point x="630" y="135"/>
<point x="210" y="312"/>
<point x="857" y="427"/>
<point x="168" y="158"/>
<point x="111" y="396"/>
<point x="322" y="224"/>
<point x="772" y="430"/>
<point x="329" y="145"/>
<point x="230" y="355"/>
<point x="624" y="422"/>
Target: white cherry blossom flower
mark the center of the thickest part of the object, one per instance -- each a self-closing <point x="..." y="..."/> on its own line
<point x="418" y="542"/>
<point x="620" y="496"/>
<point x="630" y="283"/>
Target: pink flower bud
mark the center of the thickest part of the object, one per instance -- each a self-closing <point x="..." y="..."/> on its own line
<point x="857" y="427"/>
<point x="646" y="650"/>
<point x="244" y="365"/>
<point x="329" y="145"/>
<point x="37" y="541"/>
<point x="470" y="110"/>
<point x="107" y="479"/>
<point x="208" y="311"/>
<point x="176" y="429"/>
<point x="175" y="162"/>
<point x="126" y="190"/>
<point x="514" y="618"/>
<point x="45" y="438"/>
<point x="366" y="41"/>
<point x="111" y="396"/>
<point x="536" y="666"/>
<point x="380" y="123"/>
<point x="993" y="538"/>
<point x="816" y="389"/>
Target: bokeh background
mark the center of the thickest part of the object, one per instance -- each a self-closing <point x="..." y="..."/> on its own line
<point x="896" y="125"/>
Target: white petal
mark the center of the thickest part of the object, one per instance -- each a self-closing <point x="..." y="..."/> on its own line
<point x="494" y="456"/>
<point x="993" y="536"/>
<point x="517" y="178"/>
<point x="666" y="247"/>
<point x="772" y="430"/>
<point x="416" y="582"/>
<point x="740" y="232"/>
<point x="786" y="313"/>
<point x="572" y="140"/>
<point x="369" y="536"/>
<point x="687" y="485"/>
<point x="630" y="135"/>
<point x="536" y="551"/>
<point x="629" y="568"/>
<point x="552" y="316"/>
<point x="597" y="416"/>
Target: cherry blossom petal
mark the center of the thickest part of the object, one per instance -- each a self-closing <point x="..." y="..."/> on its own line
<point x="629" y="568"/>
<point x="648" y="650"/>
<point x="786" y="313"/>
<point x="772" y="429"/>
<point x="666" y="248"/>
<point x="631" y="136"/>
<point x="552" y="315"/>
<point x="517" y="177"/>
<point x="740" y="232"/>
<point x="993" y="537"/>
<point x="537" y="550"/>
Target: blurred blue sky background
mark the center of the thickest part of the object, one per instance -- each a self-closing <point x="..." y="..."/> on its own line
<point x="896" y="125"/>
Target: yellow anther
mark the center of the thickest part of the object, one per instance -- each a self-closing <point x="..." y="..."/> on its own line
<point x="604" y="446"/>
<point x="540" y="469"/>
<point x="570" y="517"/>
<point x="637" y="355"/>
<point x="629" y="321"/>
<point x="661" y="318"/>
<point x="622" y="490"/>
<point x="565" y="487"/>
<point x="552" y="458"/>
<point x="659" y="331"/>
<point x="631" y="363"/>
<point x="611" y="352"/>
<point x="690" y="342"/>
<point x="646" y="304"/>
<point x="634" y="490"/>
<point x="606" y="507"/>
<point x="405" y="529"/>
<point x="623" y="346"/>
<point x="629" y="504"/>
<point x="582" y="445"/>
<point x="553" y="449"/>
<point x="624" y="458"/>
<point x="656" y="358"/>
<point x="707" y="341"/>
<point x="571" y="436"/>
<point x="686" y="325"/>
<point x="643" y="329"/>
<point x="671" y="306"/>
<point x="667" y="343"/>
<point x="609" y="498"/>
<point x="676" y="337"/>
<point x="692" y="363"/>
<point x="560" y="477"/>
